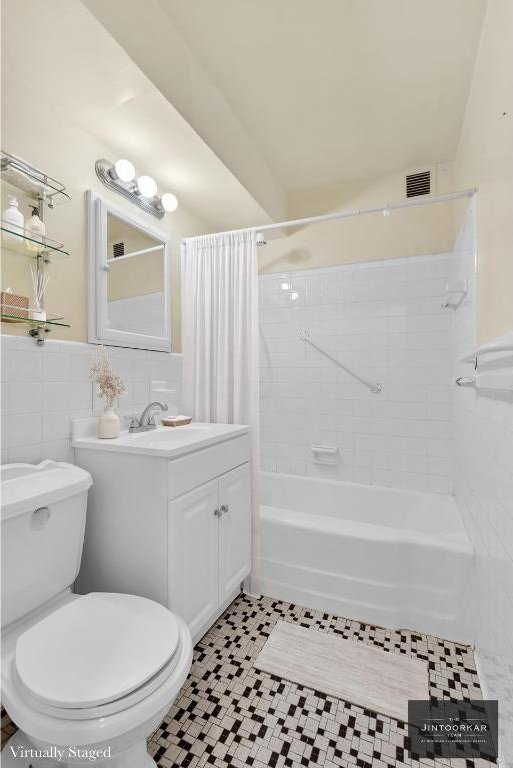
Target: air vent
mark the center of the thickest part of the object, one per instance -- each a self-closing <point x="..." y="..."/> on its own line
<point x="418" y="184"/>
<point x="118" y="249"/>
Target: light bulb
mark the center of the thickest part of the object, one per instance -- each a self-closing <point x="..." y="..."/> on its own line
<point x="147" y="186"/>
<point x="169" y="202"/>
<point x="125" y="170"/>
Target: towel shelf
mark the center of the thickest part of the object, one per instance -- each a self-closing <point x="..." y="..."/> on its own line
<point x="500" y="381"/>
<point x="501" y="344"/>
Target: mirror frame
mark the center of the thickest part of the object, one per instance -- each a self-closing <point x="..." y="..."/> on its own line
<point x="98" y="330"/>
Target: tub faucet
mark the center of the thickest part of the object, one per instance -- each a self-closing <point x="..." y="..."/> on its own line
<point x="147" y="419"/>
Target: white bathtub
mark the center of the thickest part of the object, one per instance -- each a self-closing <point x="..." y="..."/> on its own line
<point x="395" y="558"/>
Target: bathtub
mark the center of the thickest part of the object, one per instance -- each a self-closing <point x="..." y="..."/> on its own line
<point x="394" y="558"/>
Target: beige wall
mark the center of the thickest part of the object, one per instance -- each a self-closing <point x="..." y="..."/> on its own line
<point x="146" y="31"/>
<point x="485" y="160"/>
<point x="41" y="122"/>
<point x="406" y="232"/>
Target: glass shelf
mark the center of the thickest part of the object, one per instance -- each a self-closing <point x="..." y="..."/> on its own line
<point x="50" y="320"/>
<point x="25" y="177"/>
<point x="19" y="240"/>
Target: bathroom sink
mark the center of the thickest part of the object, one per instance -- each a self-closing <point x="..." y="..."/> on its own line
<point x="166" y="442"/>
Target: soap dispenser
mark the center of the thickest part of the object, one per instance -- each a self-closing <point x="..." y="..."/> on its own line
<point x="13" y="218"/>
<point x="35" y="229"/>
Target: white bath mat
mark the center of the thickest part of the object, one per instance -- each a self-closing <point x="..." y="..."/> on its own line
<point x="349" y="670"/>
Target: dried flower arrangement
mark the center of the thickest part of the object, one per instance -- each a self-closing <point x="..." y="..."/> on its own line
<point x="110" y="385"/>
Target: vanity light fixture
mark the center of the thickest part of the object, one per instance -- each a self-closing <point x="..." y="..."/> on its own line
<point x="143" y="192"/>
<point x="169" y="202"/>
<point x="124" y="170"/>
<point x="147" y="186"/>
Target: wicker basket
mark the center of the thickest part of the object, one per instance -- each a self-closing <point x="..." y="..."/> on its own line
<point x="14" y="305"/>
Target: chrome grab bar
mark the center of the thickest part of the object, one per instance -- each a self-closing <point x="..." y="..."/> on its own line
<point x="375" y="388"/>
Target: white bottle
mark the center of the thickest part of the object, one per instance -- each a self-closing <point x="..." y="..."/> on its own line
<point x="13" y="218"/>
<point x="34" y="228"/>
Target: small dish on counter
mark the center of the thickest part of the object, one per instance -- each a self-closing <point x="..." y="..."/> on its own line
<point x="176" y="421"/>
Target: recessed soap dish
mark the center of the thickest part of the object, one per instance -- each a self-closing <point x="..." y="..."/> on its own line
<point x="325" y="454"/>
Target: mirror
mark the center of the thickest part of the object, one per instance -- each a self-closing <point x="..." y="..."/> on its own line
<point x="128" y="279"/>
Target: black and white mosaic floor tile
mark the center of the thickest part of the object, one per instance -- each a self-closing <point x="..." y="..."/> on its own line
<point x="229" y="714"/>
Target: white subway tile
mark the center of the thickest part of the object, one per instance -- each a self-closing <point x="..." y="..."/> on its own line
<point x="56" y="396"/>
<point x="56" y="366"/>
<point x="24" y="429"/>
<point x="45" y="388"/>
<point x="56" y="426"/>
<point x="29" y="453"/>
<point x="26" y="365"/>
<point x="26" y="397"/>
<point x="5" y="362"/>
<point x="79" y="365"/>
<point x="81" y="396"/>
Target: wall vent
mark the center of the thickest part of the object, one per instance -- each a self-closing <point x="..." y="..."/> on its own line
<point x="118" y="249"/>
<point x="418" y="184"/>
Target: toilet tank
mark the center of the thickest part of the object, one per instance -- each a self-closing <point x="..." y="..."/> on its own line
<point x="43" y="522"/>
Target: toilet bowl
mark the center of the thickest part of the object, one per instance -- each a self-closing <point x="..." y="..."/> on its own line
<point x="86" y="678"/>
<point x="80" y="692"/>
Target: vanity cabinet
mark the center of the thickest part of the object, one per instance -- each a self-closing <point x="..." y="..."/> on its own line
<point x="210" y="555"/>
<point x="174" y="530"/>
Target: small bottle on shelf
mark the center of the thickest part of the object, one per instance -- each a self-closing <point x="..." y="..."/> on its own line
<point x="35" y="229"/>
<point x="13" y="218"/>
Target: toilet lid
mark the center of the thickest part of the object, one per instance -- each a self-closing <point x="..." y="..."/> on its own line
<point x="96" y="649"/>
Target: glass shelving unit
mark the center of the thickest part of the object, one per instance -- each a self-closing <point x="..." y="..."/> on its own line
<point x="45" y="191"/>
<point x="50" y="319"/>
<point x="20" y="175"/>
<point x="24" y="242"/>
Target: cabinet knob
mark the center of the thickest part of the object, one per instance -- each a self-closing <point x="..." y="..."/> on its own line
<point x="218" y="512"/>
<point x="225" y="508"/>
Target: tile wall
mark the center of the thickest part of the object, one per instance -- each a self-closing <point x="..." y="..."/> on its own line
<point x="484" y="493"/>
<point x="44" y="388"/>
<point x="383" y="319"/>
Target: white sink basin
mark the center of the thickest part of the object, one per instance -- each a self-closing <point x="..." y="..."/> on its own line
<point x="166" y="442"/>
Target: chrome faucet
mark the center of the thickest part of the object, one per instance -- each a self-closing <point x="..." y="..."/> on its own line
<point x="147" y="419"/>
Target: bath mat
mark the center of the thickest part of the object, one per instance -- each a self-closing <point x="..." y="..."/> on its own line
<point x="346" y="669"/>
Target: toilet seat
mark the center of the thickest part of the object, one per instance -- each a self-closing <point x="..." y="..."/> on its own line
<point x="97" y="655"/>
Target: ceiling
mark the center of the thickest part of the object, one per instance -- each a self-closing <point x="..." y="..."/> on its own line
<point x="338" y="90"/>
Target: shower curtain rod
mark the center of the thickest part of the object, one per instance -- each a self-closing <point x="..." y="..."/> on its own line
<point x="409" y="203"/>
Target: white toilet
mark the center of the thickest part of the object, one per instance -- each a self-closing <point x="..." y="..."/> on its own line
<point x="89" y="675"/>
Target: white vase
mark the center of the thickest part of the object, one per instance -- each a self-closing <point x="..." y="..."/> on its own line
<point x="108" y="426"/>
<point x="38" y="314"/>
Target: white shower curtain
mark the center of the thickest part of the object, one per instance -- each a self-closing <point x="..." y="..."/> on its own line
<point x="220" y="328"/>
<point x="220" y="338"/>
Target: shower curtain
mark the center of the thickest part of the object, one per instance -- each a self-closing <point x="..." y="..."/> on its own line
<point x="220" y="338"/>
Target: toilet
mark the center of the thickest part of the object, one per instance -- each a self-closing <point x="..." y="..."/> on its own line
<point x="86" y="678"/>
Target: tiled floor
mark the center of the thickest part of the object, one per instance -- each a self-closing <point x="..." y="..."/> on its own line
<point x="230" y="714"/>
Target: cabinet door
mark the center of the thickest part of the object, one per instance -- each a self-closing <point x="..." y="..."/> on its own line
<point x="234" y="529"/>
<point x="193" y="535"/>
